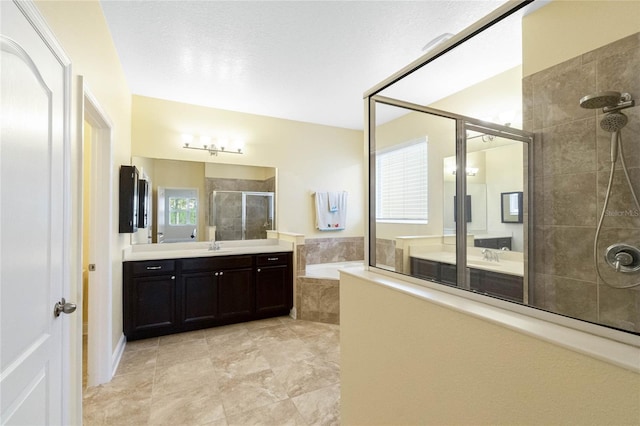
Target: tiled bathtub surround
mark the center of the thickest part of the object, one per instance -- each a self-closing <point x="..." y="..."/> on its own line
<point x="318" y="299"/>
<point x="330" y="250"/>
<point x="571" y="171"/>
<point x="386" y="252"/>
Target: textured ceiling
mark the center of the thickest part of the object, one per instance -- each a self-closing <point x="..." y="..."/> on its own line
<point x="301" y="60"/>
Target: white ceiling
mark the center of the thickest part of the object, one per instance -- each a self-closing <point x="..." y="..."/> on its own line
<point x="308" y="61"/>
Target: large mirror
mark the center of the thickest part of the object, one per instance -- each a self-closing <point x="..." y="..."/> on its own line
<point x="494" y="173"/>
<point x="198" y="201"/>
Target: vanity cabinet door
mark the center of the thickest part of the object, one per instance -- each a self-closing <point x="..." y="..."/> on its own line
<point x="448" y="274"/>
<point x="274" y="284"/>
<point x="235" y="294"/>
<point x="495" y="284"/>
<point x="426" y="269"/>
<point x="199" y="299"/>
<point x="151" y="302"/>
<point x="149" y="299"/>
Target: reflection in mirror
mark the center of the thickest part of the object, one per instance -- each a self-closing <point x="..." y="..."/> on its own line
<point x="493" y="167"/>
<point x="204" y="179"/>
<point x="177" y="218"/>
<point x="511" y="207"/>
<point x="241" y="215"/>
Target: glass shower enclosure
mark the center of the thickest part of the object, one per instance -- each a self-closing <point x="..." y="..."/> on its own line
<point x="241" y="215"/>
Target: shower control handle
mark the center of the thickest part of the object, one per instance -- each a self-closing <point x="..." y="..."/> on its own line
<point x="622" y="259"/>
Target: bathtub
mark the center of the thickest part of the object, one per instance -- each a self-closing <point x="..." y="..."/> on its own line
<point x="318" y="292"/>
<point x="330" y="270"/>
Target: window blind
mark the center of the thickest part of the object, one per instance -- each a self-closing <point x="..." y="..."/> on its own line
<point x="401" y="183"/>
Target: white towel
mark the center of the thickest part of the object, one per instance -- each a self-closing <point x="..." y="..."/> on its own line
<point x="326" y="218"/>
<point x="334" y="199"/>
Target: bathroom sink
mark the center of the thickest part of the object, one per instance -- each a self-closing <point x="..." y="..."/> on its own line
<point x="483" y="263"/>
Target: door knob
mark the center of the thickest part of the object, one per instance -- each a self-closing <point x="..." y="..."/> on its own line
<point x="63" y="307"/>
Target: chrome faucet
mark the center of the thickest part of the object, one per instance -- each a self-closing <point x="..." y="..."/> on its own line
<point x="490" y="256"/>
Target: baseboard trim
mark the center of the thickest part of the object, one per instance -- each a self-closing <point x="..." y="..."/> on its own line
<point x="117" y="354"/>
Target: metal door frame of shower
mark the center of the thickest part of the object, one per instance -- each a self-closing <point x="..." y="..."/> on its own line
<point x="244" y="208"/>
<point x="463" y="123"/>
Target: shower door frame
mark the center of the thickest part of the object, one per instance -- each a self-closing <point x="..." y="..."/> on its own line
<point x="243" y="207"/>
<point x="462" y="124"/>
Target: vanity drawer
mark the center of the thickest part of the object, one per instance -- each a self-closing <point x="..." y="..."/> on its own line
<point x="216" y="262"/>
<point x="273" y="259"/>
<point x="152" y="267"/>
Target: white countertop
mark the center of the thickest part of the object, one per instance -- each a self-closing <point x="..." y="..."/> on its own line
<point x="201" y="249"/>
<point x="510" y="262"/>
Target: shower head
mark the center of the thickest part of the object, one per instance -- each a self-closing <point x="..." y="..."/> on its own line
<point x="613" y="122"/>
<point x="600" y="100"/>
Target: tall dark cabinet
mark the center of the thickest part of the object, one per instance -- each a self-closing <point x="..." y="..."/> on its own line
<point x="128" y="199"/>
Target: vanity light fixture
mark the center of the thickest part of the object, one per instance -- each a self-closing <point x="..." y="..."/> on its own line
<point x="471" y="171"/>
<point x="212" y="148"/>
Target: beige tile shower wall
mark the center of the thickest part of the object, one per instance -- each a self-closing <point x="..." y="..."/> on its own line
<point x="571" y="171"/>
<point x="329" y="250"/>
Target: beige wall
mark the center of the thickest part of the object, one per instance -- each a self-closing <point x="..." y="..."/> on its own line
<point x="81" y="30"/>
<point x="409" y="361"/>
<point x="554" y="33"/>
<point x="308" y="157"/>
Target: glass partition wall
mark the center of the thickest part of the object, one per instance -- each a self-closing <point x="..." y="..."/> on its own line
<point x="501" y="172"/>
<point x="420" y="239"/>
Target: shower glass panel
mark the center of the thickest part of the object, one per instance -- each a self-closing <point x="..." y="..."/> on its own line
<point x="496" y="250"/>
<point x="408" y="144"/>
<point x="239" y="215"/>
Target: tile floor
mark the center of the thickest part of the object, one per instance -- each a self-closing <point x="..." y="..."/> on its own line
<point x="277" y="371"/>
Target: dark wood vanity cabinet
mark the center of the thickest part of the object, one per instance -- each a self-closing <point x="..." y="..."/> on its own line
<point x="149" y="301"/>
<point x="208" y="291"/>
<point x="496" y="284"/>
<point x="493" y="243"/>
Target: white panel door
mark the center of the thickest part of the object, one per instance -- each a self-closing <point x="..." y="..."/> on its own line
<point x="32" y="225"/>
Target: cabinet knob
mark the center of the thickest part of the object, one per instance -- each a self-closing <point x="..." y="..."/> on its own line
<point x="221" y="273"/>
<point x="216" y="274"/>
<point x="259" y="269"/>
<point x="173" y="277"/>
